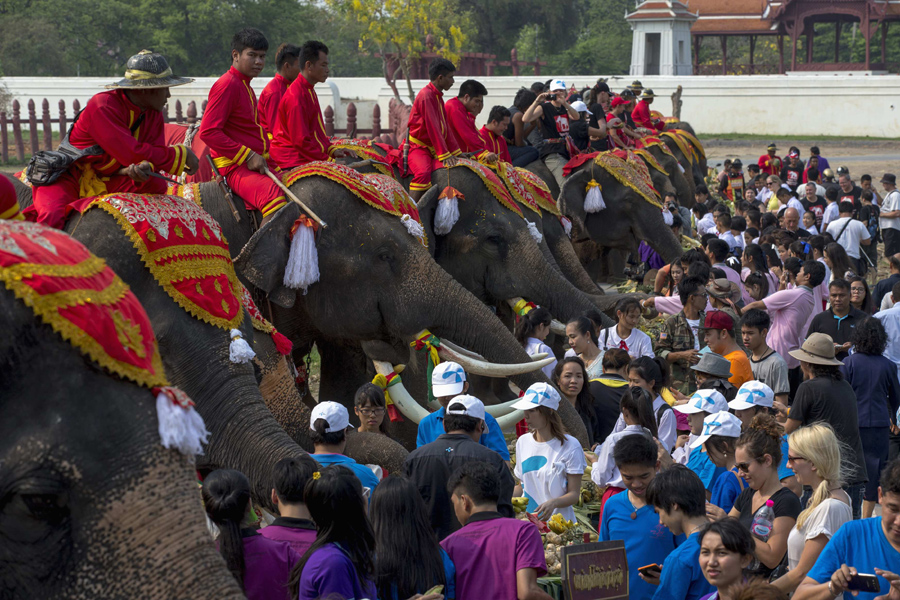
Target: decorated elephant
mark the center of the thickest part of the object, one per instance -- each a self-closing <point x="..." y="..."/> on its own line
<point x="689" y="152"/>
<point x="658" y="156"/>
<point x="93" y="505"/>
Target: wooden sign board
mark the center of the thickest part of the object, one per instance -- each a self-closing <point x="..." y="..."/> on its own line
<point x="595" y="571"/>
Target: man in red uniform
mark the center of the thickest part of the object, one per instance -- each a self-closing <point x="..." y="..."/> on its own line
<point x="432" y="144"/>
<point x="230" y="126"/>
<point x="287" y="65"/>
<point x="300" y="132"/>
<point x="641" y="113"/>
<point x="768" y="162"/>
<point x="123" y="128"/>
<point x="461" y="112"/>
<point x="492" y="134"/>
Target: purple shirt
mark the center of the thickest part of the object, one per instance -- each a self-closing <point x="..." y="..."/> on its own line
<point x="731" y="275"/>
<point x="330" y="571"/>
<point x="789" y="311"/>
<point x="488" y="552"/>
<point x="298" y="533"/>
<point x="650" y="256"/>
<point x="268" y="567"/>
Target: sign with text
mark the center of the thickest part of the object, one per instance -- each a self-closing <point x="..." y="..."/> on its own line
<point x="596" y="571"/>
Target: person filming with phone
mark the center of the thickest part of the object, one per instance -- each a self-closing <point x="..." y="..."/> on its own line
<point x="553" y="114"/>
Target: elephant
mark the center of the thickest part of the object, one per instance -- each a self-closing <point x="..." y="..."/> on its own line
<point x="93" y="505"/>
<point x="687" y="162"/>
<point x="684" y="186"/>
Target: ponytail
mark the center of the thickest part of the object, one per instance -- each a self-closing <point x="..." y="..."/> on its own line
<point x="761" y="438"/>
<point x="529" y="323"/>
<point x="226" y="496"/>
<point x="637" y="401"/>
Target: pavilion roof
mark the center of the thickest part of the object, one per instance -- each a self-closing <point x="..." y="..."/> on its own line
<point x="734" y="17"/>
<point x="652" y="10"/>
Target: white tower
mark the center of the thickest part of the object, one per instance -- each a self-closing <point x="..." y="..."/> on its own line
<point x="662" y="38"/>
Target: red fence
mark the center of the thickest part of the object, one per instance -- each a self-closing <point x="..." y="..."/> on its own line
<point x="44" y="140"/>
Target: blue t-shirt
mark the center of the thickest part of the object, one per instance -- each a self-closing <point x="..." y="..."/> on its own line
<point x="726" y="489"/>
<point x="699" y="463"/>
<point x="432" y="426"/>
<point x="364" y="473"/>
<point x="449" y="574"/>
<point x="647" y="541"/>
<point x="860" y="544"/>
<point x="682" y="578"/>
<point x="783" y="470"/>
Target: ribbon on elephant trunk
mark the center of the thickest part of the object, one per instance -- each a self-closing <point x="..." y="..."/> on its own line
<point x="428" y="342"/>
<point x="522" y="308"/>
<point x="385" y="383"/>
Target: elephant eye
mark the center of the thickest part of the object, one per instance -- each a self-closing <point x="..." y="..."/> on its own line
<point x="51" y="508"/>
<point x="495" y="239"/>
<point x="385" y="256"/>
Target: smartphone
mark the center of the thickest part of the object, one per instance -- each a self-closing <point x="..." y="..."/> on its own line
<point x="864" y="582"/>
<point x="650" y="570"/>
<point x="435" y="590"/>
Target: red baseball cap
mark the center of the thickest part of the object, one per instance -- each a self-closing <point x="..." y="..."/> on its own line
<point x="716" y="319"/>
<point x="618" y="101"/>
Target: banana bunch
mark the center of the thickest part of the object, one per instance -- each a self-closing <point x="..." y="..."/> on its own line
<point x="519" y="504"/>
<point x="558" y="524"/>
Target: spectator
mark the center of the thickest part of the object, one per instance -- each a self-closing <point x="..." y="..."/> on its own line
<point x="724" y="296"/>
<point x="815" y="204"/>
<point x="838" y="262"/>
<point x="495" y="557"/>
<point x="873" y="378"/>
<point x="701" y="404"/>
<point x="826" y="397"/>
<point x="531" y="331"/>
<point x="757" y="455"/>
<point x="448" y="380"/>
<point x="720" y="433"/>
<point x="789" y="310"/>
<point x="409" y="560"/>
<point x="809" y="223"/>
<point x="757" y="287"/>
<point x="823" y="162"/>
<point x="817" y="244"/>
<point x="767" y="196"/>
<point x="494" y="136"/>
<point x="792" y="222"/>
<point x="608" y="390"/>
<point x="891" y="320"/>
<point x="680" y="341"/>
<point x="329" y="422"/>
<point x="868" y="216"/>
<point x="753" y="260"/>
<point x="792" y="171"/>
<point x="815" y="455"/>
<point x="767" y="365"/>
<point x="770" y="163"/>
<point x="519" y="134"/>
<point x="718" y="251"/>
<point x="628" y="517"/>
<point x="370" y="407"/>
<point x="572" y="380"/>
<point x="294" y="524"/>
<point x="890" y="215"/>
<point x="583" y="341"/>
<point x="430" y="465"/>
<point x="838" y="322"/>
<point x="865" y="182"/>
<point x="860" y="298"/>
<point x="883" y="287"/>
<point x="713" y="372"/>
<point x="587" y="130"/>
<point x="340" y="561"/>
<point x="723" y="231"/>
<point x="678" y="496"/>
<point x="553" y="115"/>
<point x="726" y="549"/>
<point x="718" y="331"/>
<point x="668" y="278"/>
<point x="848" y="191"/>
<point x="625" y="334"/>
<point x="831" y="208"/>
<point x="260" y="566"/>
<point x="701" y="197"/>
<point x="864" y="546"/>
<point x="549" y="461"/>
<point x="652" y="374"/>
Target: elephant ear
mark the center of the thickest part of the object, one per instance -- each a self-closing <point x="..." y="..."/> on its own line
<point x="263" y="259"/>
<point x="427" y="207"/>
<point x="571" y="197"/>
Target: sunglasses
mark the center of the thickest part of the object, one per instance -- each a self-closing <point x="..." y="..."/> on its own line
<point x="795" y="458"/>
<point x="743" y="467"/>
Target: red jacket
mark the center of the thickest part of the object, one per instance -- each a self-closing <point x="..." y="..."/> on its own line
<point x="428" y="125"/>
<point x="642" y="118"/>
<point x="269" y="100"/>
<point x="462" y="124"/>
<point x="495" y="143"/>
<point x="299" y="132"/>
<point x="230" y="126"/>
<point x="106" y="121"/>
<point x="770" y="165"/>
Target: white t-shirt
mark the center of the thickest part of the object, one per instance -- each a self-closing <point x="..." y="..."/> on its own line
<point x="826" y="519"/>
<point x="665" y="426"/>
<point x="831" y="213"/>
<point x="637" y="344"/>
<point x="728" y="238"/>
<point x="796" y="205"/>
<point x="536" y="346"/>
<point x="851" y="236"/>
<point x="695" y="326"/>
<point x="812" y="230"/>
<point x="706" y="225"/>
<point x="891" y="203"/>
<point x="604" y="471"/>
<point x="763" y="195"/>
<point x="542" y="468"/>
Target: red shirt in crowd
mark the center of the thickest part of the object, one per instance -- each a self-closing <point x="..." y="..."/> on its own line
<point x="269" y="100"/>
<point x="495" y="143"/>
<point x="300" y="132"/>
<point x="230" y="126"/>
<point x="428" y="125"/>
<point x="462" y="123"/>
<point x="642" y="118"/>
<point x="770" y="165"/>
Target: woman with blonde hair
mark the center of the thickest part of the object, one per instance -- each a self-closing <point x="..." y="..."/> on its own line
<point x="814" y="453"/>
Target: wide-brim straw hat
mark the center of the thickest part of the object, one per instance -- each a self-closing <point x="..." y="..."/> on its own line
<point x="148" y="70"/>
<point x="818" y="349"/>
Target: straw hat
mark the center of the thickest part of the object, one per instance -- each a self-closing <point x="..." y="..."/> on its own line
<point x="148" y="70"/>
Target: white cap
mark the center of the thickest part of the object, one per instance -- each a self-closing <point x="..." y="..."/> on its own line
<point x="334" y="414"/>
<point x="721" y="423"/>
<point x="579" y="106"/>
<point x="751" y="394"/>
<point x="448" y="379"/>
<point x="557" y="84"/>
<point x="708" y="401"/>
<point x="539" y="394"/>
<point x="473" y="408"/>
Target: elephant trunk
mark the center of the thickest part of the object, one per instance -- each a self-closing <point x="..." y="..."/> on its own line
<point x="568" y="262"/>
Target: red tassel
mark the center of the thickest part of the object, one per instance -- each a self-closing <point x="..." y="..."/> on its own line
<point x="282" y="344"/>
<point x="394" y="414"/>
<point x="451" y="192"/>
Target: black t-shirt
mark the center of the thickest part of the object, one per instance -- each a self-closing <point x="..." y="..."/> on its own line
<point x="834" y="402"/>
<point x="554" y="124"/>
<point x="792" y="176"/>
<point x="510" y="133"/>
<point x="785" y="504"/>
<point x="839" y="330"/>
<point x="599" y="114"/>
<point x="868" y="214"/>
<point x="851" y="196"/>
<point x="606" y="404"/>
<point x="579" y="131"/>
<point x="817" y="208"/>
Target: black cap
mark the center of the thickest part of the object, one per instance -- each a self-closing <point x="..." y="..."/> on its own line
<point x="889" y="178"/>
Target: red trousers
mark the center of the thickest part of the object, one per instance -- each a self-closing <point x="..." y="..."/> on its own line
<point x="257" y="190"/>
<point x="51" y="201"/>
<point x="421" y="165"/>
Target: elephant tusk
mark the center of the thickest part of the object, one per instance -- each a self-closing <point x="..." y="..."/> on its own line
<point x="488" y="369"/>
<point x="555" y="326"/>
<point x="405" y="403"/>
<point x="508" y="422"/>
<point x="460" y="350"/>
<point x="500" y="410"/>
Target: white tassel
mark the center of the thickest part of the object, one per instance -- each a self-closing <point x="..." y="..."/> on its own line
<point x="302" y="268"/>
<point x="446" y="216"/>
<point x="593" y="200"/>
<point x="567" y="226"/>
<point x="240" y="351"/>
<point x="414" y="228"/>
<point x="667" y="217"/>
<point x="681" y="168"/>
<point x="180" y="426"/>
<point x="533" y="230"/>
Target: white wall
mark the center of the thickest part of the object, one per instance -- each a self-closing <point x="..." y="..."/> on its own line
<point x="808" y="105"/>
